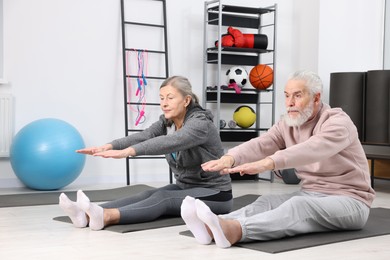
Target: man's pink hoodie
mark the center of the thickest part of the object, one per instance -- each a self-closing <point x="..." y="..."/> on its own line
<point x="325" y="151"/>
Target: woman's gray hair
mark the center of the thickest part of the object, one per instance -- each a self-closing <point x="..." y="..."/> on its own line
<point x="312" y="81"/>
<point x="183" y="85"/>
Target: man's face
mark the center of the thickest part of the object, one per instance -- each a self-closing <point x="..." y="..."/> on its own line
<point x="300" y="104"/>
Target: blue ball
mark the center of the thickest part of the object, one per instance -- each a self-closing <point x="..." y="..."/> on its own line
<point x="43" y="154"/>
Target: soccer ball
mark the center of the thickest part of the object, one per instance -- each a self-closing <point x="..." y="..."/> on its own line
<point x="237" y="75"/>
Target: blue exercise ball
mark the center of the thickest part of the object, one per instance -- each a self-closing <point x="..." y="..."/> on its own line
<point x="43" y="154"/>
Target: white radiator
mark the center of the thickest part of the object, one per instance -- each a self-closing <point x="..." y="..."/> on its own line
<point x="6" y="123"/>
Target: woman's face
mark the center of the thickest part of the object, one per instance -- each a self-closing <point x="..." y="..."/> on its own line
<point x="173" y="103"/>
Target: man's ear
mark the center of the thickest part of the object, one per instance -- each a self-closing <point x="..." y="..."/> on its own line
<point x="317" y="98"/>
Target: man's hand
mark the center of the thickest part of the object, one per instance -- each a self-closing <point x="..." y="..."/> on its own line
<point x="225" y="162"/>
<point x="253" y="167"/>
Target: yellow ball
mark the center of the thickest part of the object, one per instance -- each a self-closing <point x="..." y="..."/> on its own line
<point x="244" y="116"/>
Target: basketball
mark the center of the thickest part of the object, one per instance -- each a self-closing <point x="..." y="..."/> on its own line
<point x="261" y="76"/>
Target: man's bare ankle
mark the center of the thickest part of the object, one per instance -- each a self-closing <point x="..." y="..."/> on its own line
<point x="232" y="230"/>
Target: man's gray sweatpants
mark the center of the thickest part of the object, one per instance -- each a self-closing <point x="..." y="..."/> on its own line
<point x="277" y="216"/>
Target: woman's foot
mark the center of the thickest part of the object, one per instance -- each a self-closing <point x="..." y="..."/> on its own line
<point x="94" y="211"/>
<point x="76" y="215"/>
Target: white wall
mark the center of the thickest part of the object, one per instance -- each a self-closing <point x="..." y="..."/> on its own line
<point x="386" y="51"/>
<point x="350" y="37"/>
<point x="63" y="59"/>
<point x="1" y="42"/>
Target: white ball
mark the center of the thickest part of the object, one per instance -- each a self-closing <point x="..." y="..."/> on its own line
<point x="238" y="75"/>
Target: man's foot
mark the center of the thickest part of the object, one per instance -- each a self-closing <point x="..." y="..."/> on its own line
<point x="193" y="223"/>
<point x="212" y="221"/>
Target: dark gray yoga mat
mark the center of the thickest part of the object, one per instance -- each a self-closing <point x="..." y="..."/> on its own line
<point x="347" y="91"/>
<point x="238" y="202"/>
<point x="377" y="120"/>
<point x="48" y="198"/>
<point x="378" y="224"/>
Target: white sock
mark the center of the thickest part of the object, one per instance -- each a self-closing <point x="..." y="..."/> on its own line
<point x="193" y="223"/>
<point x="212" y="221"/>
<point x="76" y="215"/>
<point x="94" y="211"/>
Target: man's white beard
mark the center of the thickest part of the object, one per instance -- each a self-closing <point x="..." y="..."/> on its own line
<point x="303" y="116"/>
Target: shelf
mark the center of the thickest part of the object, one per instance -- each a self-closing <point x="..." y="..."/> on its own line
<point x="244" y="60"/>
<point x="241" y="9"/>
<point x="237" y="16"/>
<point x="238" y="50"/>
<point x="237" y="135"/>
<point x="239" y="129"/>
<point x="247" y="96"/>
<point x="232" y="97"/>
<point x="245" y="90"/>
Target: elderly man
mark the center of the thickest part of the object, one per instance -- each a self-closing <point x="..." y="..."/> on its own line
<point x="322" y="144"/>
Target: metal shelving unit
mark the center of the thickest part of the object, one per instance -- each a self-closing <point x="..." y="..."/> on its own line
<point x="217" y="17"/>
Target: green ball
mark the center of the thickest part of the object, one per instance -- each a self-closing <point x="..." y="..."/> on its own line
<point x="244" y="116"/>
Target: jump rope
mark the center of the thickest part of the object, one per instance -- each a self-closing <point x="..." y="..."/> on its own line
<point x="140" y="92"/>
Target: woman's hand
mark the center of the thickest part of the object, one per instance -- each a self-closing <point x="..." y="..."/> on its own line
<point x="95" y="149"/>
<point x="117" y="154"/>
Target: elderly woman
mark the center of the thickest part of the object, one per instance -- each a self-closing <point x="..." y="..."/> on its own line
<point x="185" y="133"/>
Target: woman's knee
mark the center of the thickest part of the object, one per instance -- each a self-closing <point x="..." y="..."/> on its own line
<point x="220" y="207"/>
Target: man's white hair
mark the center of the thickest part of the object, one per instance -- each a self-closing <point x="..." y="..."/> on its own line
<point x="312" y="81"/>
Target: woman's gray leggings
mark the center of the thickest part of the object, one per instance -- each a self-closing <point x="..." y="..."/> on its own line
<point x="151" y="204"/>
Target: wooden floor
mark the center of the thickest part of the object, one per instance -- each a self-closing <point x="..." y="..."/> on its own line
<point x="30" y="233"/>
